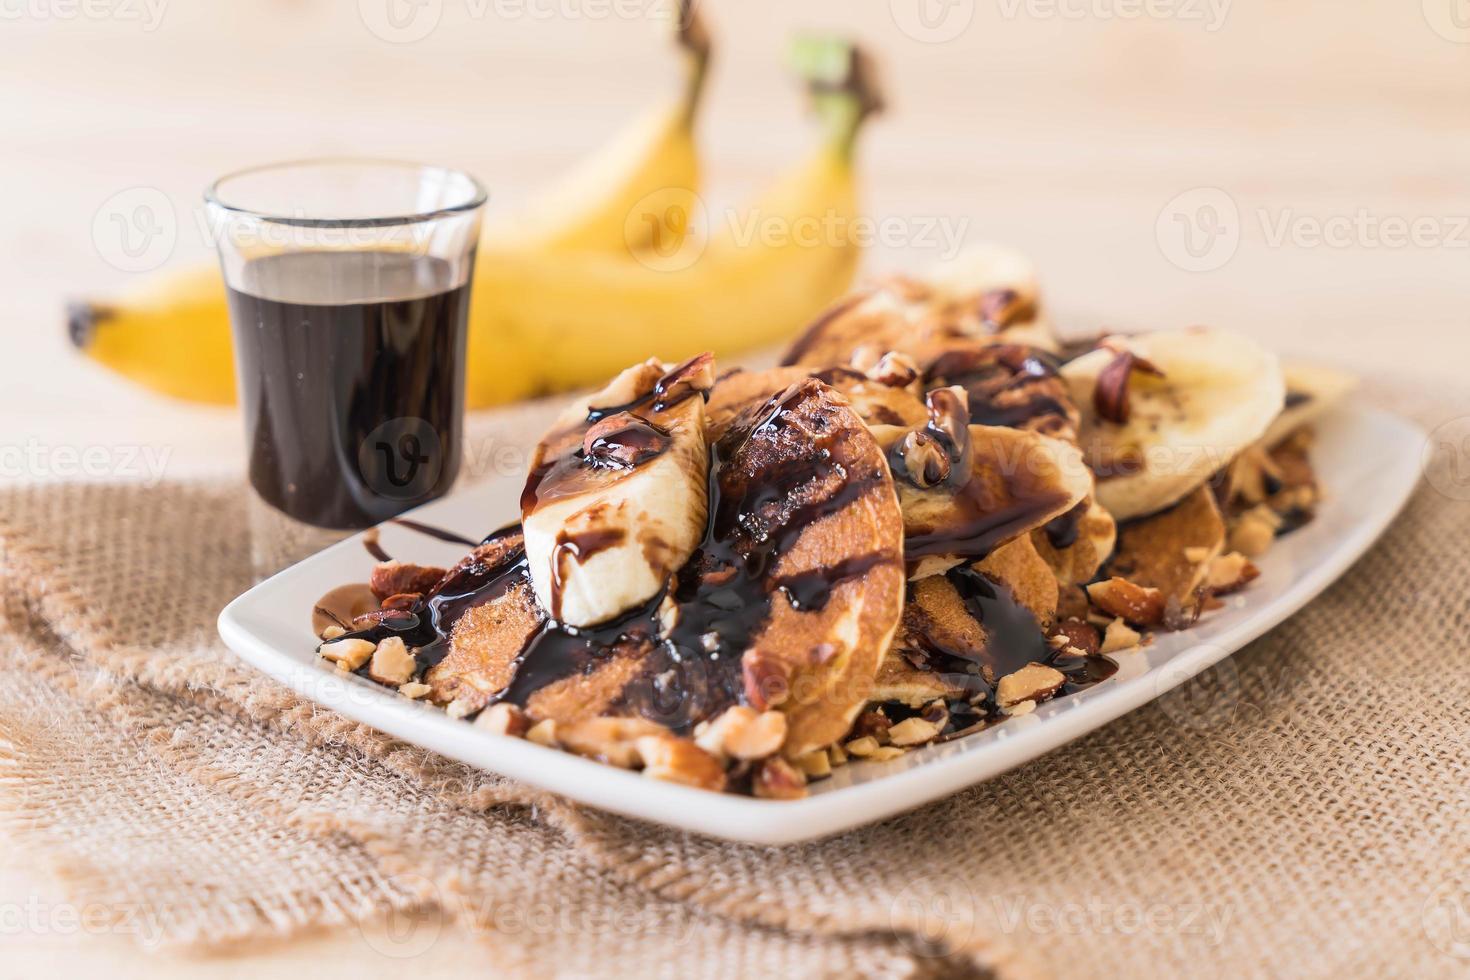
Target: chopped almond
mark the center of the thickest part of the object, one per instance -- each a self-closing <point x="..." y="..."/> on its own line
<point x="392" y="663"/>
<point x="815" y="764"/>
<point x="1076" y="634"/>
<point x="612" y="740"/>
<point x="1119" y="636"/>
<point x="1033" y="682"/>
<point x="1135" y="603"/>
<point x="503" y="719"/>
<point x="913" y="731"/>
<point x="777" y="779"/>
<point x="678" y="760"/>
<point x="390" y="578"/>
<point x="543" y="733"/>
<point x="743" y="733"/>
<point x="348" y="654"/>
<point x="1230" y="573"/>
<point x="1255" y="531"/>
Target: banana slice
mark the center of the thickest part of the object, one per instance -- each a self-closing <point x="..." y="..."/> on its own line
<point x="987" y="295"/>
<point x="1310" y="391"/>
<point x="1162" y="412"/>
<point x="616" y="497"/>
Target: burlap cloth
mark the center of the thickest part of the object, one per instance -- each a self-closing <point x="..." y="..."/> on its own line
<point x="1304" y="809"/>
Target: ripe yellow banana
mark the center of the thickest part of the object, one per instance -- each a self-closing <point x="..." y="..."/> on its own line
<point x="603" y="204"/>
<point x="172" y="332"/>
<point x="761" y="274"/>
<point x="589" y="294"/>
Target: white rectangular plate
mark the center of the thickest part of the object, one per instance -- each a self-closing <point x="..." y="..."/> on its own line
<point x="1367" y="462"/>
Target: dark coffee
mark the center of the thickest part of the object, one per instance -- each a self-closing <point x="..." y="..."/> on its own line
<point x="351" y="369"/>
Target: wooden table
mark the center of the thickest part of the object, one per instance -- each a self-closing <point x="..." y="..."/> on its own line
<point x="1331" y="137"/>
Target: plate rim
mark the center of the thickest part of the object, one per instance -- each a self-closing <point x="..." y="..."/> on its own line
<point x="775" y="822"/>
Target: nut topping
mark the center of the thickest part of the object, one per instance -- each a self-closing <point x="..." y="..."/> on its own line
<point x="742" y="733"/>
<point x="1230" y="573"/>
<point x="1078" y="635"/>
<point x="348" y="654"/>
<point x="392" y="578"/>
<point x="403" y="600"/>
<point x="1110" y="397"/>
<point x="503" y="718"/>
<point x="543" y="733"/>
<point x="392" y="663"/>
<point x="766" y="679"/>
<point x="925" y="460"/>
<point x="1119" y="636"/>
<point x="1135" y="603"/>
<point x="999" y="308"/>
<point x="612" y="740"/>
<point x="777" y="779"/>
<point x="1256" y="530"/>
<point x="949" y="416"/>
<point x="894" y="370"/>
<point x="913" y="731"/>
<point x="695" y="376"/>
<point x="678" y="760"/>
<point x="816" y="764"/>
<point x="1033" y="682"/>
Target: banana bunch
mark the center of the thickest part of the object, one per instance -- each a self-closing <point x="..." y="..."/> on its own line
<point x="616" y="260"/>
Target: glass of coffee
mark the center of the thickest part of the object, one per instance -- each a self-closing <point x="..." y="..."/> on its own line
<point x="349" y="292"/>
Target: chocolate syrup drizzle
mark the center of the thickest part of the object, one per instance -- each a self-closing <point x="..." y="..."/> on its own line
<point x="1062" y="532"/>
<point x="1013" y="639"/>
<point x="723" y="594"/>
<point x="991" y="376"/>
<point x="758" y="511"/>
<point x="570" y="467"/>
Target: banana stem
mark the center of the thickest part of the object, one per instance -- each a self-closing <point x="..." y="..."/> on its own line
<point x="842" y="83"/>
<point x="694" y="38"/>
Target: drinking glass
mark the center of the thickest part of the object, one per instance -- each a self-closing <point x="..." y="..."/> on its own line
<point x="349" y="291"/>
